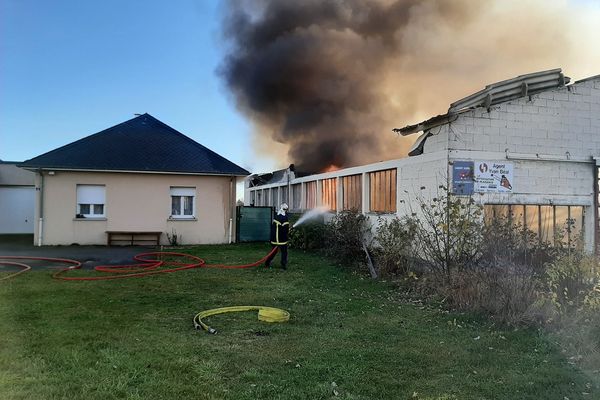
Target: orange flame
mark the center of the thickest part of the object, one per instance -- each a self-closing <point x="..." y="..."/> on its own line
<point x="331" y="168"/>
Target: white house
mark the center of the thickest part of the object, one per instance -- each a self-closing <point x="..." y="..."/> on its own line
<point x="134" y="183"/>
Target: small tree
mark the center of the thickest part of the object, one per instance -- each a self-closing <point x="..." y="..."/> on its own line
<point x="394" y="243"/>
<point x="346" y="233"/>
<point x="448" y="232"/>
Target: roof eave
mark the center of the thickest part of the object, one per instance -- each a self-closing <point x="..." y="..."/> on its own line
<point x="46" y="168"/>
<point x="426" y="125"/>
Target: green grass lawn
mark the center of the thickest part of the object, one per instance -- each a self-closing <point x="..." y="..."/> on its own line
<point x="348" y="338"/>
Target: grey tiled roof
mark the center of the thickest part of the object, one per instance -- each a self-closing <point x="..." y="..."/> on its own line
<point x="141" y="144"/>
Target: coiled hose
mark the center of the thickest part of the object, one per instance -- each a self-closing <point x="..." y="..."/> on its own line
<point x="266" y="314"/>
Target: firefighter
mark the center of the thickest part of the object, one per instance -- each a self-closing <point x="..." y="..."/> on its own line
<point x="280" y="228"/>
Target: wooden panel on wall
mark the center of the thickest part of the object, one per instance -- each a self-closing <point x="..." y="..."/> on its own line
<point x="382" y="191"/>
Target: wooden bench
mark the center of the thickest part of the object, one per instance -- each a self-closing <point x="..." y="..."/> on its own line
<point x="133" y="237"/>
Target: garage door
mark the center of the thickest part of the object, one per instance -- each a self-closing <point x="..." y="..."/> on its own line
<point x="16" y="209"/>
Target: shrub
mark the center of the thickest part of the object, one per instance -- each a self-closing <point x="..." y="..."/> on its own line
<point x="508" y="242"/>
<point x="573" y="284"/>
<point x="448" y="232"/>
<point x="345" y="235"/>
<point x="394" y="242"/>
<point x="308" y="236"/>
<point x="174" y="238"/>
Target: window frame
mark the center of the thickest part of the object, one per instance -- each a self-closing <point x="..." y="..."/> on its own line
<point x="573" y="228"/>
<point x="181" y="193"/>
<point x="85" y="196"/>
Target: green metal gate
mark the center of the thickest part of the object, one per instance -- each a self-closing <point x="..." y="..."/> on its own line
<point x="254" y="224"/>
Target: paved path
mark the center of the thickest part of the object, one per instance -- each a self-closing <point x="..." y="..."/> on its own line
<point x="89" y="256"/>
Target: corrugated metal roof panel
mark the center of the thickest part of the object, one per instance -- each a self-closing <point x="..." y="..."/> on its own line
<point x="513" y="88"/>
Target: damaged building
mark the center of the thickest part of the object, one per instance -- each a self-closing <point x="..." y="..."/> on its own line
<point x="527" y="148"/>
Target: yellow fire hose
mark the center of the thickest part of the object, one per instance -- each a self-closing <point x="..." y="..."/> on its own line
<point x="266" y="314"/>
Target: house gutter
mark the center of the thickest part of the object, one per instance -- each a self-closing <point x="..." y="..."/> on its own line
<point x="33" y="168"/>
<point x="548" y="157"/>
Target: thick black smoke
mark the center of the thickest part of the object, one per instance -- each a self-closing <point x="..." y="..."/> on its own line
<point x="308" y="73"/>
<point x="331" y="78"/>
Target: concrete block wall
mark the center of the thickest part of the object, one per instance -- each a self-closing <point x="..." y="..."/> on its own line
<point x="438" y="140"/>
<point x="421" y="180"/>
<point x="551" y="138"/>
<point x="557" y="122"/>
<point x="544" y="183"/>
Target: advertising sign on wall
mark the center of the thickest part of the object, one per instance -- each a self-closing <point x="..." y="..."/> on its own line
<point x="462" y="177"/>
<point x="493" y="177"/>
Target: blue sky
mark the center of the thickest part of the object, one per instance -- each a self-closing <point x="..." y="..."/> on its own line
<point x="72" y="68"/>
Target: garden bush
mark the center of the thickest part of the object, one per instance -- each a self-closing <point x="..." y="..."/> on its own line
<point x="308" y="236"/>
<point x="393" y="246"/>
<point x="448" y="233"/>
<point x="345" y="234"/>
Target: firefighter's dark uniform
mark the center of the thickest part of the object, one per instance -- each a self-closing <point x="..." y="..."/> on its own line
<point x="280" y="228"/>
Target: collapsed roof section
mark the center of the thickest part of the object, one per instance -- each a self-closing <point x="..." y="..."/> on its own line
<point x="499" y="92"/>
<point x="278" y="176"/>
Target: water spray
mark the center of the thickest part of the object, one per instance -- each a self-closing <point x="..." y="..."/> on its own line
<point x="311" y="214"/>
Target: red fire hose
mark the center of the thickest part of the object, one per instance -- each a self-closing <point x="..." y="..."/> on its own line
<point x="24" y="267"/>
<point x="149" y="264"/>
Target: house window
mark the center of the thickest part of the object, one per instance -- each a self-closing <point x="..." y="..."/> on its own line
<point x="328" y="193"/>
<point x="382" y="191"/>
<point x="352" y="192"/>
<point x="90" y="201"/>
<point x="182" y="202"/>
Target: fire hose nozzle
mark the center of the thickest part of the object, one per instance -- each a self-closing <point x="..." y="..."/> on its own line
<point x="212" y="331"/>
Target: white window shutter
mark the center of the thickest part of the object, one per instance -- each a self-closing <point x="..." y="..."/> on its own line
<point x="183" y="191"/>
<point x="91" y="194"/>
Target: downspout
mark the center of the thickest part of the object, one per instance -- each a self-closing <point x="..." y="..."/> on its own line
<point x="232" y="208"/>
<point x="596" y="235"/>
<point x="449" y="190"/>
<point x="41" y="210"/>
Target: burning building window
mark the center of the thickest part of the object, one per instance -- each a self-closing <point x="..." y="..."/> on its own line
<point x="259" y="198"/>
<point x="329" y="193"/>
<point x="283" y="194"/>
<point x="311" y="194"/>
<point x="296" y="196"/>
<point x="382" y="191"/>
<point x="253" y="197"/>
<point x="352" y="192"/>
<point x="550" y="224"/>
<point x="274" y="197"/>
